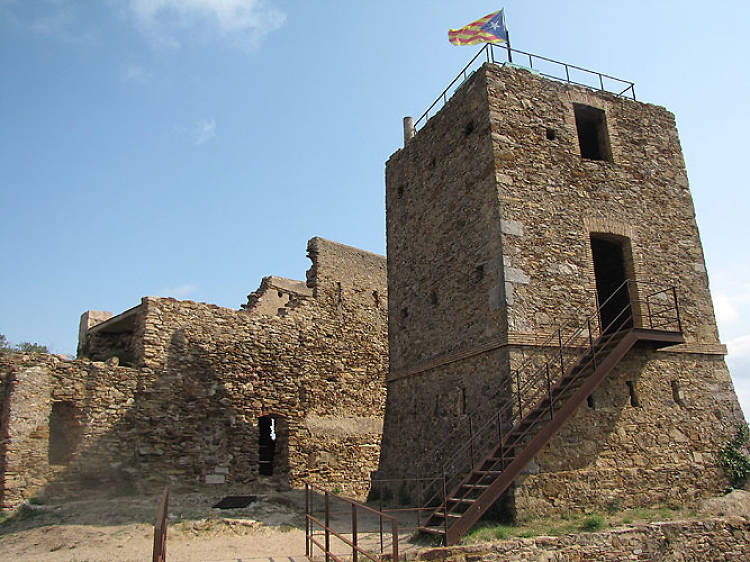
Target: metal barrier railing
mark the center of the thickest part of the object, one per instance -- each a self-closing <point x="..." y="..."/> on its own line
<point x="544" y="369"/>
<point x="362" y="530"/>
<point x="547" y="67"/>
<point x="160" y="529"/>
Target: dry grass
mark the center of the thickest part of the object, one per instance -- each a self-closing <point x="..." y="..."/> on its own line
<point x="574" y="523"/>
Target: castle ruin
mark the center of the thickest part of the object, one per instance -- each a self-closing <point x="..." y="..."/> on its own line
<point x="289" y="388"/>
<point x="547" y="337"/>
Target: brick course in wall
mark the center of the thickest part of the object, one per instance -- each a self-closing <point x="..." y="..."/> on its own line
<point x="187" y="411"/>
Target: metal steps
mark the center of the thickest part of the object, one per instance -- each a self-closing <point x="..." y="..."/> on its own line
<point x="541" y="406"/>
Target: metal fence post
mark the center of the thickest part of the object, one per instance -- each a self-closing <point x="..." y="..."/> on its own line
<point x="394" y="531"/>
<point x="677" y="308"/>
<point x="471" y="435"/>
<point x="380" y="523"/>
<point x="307" y="519"/>
<point x="549" y="393"/>
<point x="354" y="533"/>
<point x="518" y="393"/>
<point x="445" y="509"/>
<point x="562" y="361"/>
<point x="327" y="529"/>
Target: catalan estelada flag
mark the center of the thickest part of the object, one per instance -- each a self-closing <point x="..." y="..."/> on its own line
<point x="489" y="29"/>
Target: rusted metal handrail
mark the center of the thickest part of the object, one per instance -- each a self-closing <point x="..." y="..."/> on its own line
<point x="160" y="529"/>
<point x="531" y="389"/>
<point x="489" y="51"/>
<point x="329" y="531"/>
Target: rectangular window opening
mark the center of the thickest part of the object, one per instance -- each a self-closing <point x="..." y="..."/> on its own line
<point x="593" y="136"/>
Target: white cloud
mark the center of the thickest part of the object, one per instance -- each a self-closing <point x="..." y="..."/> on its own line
<point x="203" y="131"/>
<point x="179" y="291"/>
<point x="738" y="361"/>
<point x="247" y="21"/>
<point x="731" y="306"/>
<point x="739" y="349"/>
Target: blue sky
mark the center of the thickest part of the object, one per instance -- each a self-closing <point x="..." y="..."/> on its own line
<point x="188" y="148"/>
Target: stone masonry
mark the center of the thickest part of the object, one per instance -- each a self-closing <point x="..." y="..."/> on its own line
<point x="491" y="216"/>
<point x="172" y="391"/>
<point x="720" y="538"/>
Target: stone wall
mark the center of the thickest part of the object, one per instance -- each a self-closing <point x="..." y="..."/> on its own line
<point x="490" y="212"/>
<point x="189" y="412"/>
<point x="725" y="538"/>
<point x="97" y="396"/>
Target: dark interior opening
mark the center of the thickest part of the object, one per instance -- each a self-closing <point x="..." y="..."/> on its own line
<point x="615" y="311"/>
<point x="635" y="400"/>
<point x="593" y="137"/>
<point x="64" y="432"/>
<point x="266" y="445"/>
<point x="234" y="502"/>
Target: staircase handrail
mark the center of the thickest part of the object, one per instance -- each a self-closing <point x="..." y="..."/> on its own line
<point x="454" y="472"/>
<point x="539" y="374"/>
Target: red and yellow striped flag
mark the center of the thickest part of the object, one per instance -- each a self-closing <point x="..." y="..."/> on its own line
<point x="489" y="29"/>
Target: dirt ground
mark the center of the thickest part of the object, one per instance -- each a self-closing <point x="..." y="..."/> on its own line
<point x="96" y="527"/>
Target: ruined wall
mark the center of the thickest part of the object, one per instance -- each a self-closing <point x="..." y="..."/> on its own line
<point x="102" y="336"/>
<point x="725" y="538"/>
<point x="189" y="413"/>
<point x="535" y="218"/>
<point x="274" y="294"/>
<point x="89" y="439"/>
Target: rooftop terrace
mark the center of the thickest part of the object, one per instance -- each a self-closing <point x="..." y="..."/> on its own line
<point x="549" y="68"/>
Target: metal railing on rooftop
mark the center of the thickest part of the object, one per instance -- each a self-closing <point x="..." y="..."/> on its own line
<point x="549" y="68"/>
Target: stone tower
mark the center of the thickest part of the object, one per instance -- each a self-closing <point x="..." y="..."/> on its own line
<point x="520" y="206"/>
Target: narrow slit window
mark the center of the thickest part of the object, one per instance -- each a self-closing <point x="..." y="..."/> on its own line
<point x="266" y="445"/>
<point x="635" y="401"/>
<point x="593" y="136"/>
<point x="677" y="395"/>
<point x="590" y="402"/>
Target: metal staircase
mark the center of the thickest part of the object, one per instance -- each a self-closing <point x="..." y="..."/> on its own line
<point x="548" y="389"/>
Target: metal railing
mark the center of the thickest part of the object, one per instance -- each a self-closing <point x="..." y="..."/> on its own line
<point x="546" y="369"/>
<point x="544" y="66"/>
<point x="362" y="530"/>
<point x="160" y="529"/>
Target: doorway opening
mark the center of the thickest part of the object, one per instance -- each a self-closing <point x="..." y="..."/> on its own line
<point x="65" y="429"/>
<point x="611" y="270"/>
<point x="266" y="445"/>
<point x="273" y="443"/>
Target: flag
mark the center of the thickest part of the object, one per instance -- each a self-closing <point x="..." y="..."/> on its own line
<point x="489" y="29"/>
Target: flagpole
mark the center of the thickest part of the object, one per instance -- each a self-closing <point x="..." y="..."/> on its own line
<point x="507" y="42"/>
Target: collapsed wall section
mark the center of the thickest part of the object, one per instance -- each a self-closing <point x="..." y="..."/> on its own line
<point x="63" y="424"/>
